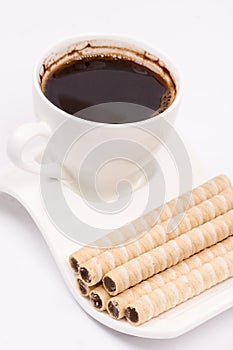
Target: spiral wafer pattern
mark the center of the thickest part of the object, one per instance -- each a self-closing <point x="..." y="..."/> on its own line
<point x="93" y="270"/>
<point x="185" y="287"/>
<point x="169" y="254"/>
<point x="116" y="306"/>
<point x="132" y="229"/>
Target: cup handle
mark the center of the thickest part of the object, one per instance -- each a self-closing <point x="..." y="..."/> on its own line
<point x="19" y="139"/>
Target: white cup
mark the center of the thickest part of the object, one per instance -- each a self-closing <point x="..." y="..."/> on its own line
<point x="62" y="129"/>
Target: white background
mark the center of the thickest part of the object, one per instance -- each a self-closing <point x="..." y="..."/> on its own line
<point x="36" y="309"/>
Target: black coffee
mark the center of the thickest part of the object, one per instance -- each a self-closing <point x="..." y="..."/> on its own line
<point x="84" y="83"/>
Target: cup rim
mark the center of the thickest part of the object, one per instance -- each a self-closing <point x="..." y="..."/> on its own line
<point x="176" y="75"/>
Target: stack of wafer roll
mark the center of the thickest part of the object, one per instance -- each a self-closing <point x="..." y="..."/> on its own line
<point x="96" y="268"/>
<point x="177" y="291"/>
<point x="168" y="254"/>
<point x="181" y="238"/>
<point x="117" y="305"/>
<point x="133" y="229"/>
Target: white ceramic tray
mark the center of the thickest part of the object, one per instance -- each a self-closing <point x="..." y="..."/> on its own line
<point x="25" y="187"/>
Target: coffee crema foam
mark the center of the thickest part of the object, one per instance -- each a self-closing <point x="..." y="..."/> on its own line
<point x="110" y="50"/>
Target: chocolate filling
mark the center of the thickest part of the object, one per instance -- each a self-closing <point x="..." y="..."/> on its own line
<point x="82" y="286"/>
<point x="131" y="314"/>
<point x="85" y="275"/>
<point x="96" y="301"/>
<point x="113" y="309"/>
<point x="74" y="264"/>
<point x="109" y="284"/>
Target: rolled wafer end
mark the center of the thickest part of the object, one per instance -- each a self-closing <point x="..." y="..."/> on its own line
<point x="74" y="264"/>
<point x="96" y="301"/>
<point x="113" y="309"/>
<point x="132" y="315"/>
<point x="99" y="298"/>
<point x="85" y="275"/>
<point x="109" y="284"/>
<point x="84" y="290"/>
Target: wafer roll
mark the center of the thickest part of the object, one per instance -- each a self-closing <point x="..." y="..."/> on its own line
<point x="175" y="292"/>
<point x="99" y="298"/>
<point x="93" y="270"/>
<point x="116" y="306"/>
<point x="196" y="196"/>
<point x="132" y="229"/>
<point x="82" y="255"/>
<point x="170" y="209"/>
<point x="169" y="254"/>
<point x="83" y="289"/>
